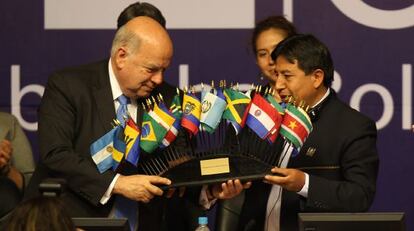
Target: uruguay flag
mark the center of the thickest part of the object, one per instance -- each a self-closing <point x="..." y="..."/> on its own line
<point x="102" y="149"/>
<point x="260" y="115"/>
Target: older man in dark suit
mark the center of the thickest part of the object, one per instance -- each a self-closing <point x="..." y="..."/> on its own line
<point x="78" y="107"/>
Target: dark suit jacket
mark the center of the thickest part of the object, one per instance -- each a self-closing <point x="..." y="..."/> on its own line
<point x="342" y="171"/>
<point x="76" y="109"/>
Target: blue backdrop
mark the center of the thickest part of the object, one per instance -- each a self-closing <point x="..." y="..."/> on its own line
<point x="371" y="42"/>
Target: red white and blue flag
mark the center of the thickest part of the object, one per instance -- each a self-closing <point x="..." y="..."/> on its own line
<point x="262" y="118"/>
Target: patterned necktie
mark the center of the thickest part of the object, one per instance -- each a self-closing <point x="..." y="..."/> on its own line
<point x="122" y="111"/>
<point x="125" y="208"/>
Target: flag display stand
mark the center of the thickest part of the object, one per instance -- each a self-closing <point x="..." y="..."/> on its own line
<point x="230" y="135"/>
<point x="215" y="158"/>
<point x="189" y="173"/>
<point x="223" y="134"/>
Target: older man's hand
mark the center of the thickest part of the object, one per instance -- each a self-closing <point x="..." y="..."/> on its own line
<point x="140" y="187"/>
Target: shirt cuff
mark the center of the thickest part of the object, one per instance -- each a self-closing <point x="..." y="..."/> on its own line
<point x="304" y="191"/>
<point x="204" y="201"/>
<point x="108" y="192"/>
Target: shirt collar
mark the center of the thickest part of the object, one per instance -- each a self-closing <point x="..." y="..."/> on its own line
<point x="115" y="88"/>
<point x="323" y="98"/>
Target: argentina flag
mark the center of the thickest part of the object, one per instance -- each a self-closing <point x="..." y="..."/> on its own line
<point x="102" y="149"/>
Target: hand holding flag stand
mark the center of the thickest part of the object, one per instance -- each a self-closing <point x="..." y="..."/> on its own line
<point x="227" y="135"/>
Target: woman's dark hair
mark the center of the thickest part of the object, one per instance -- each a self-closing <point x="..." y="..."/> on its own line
<point x="272" y="22"/>
<point x="140" y="9"/>
<point x="38" y="214"/>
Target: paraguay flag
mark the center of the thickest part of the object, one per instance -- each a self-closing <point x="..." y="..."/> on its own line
<point x="296" y="125"/>
<point x="261" y="117"/>
<point x="103" y="151"/>
<point x="191" y="113"/>
<point x="212" y="108"/>
<point x="132" y="138"/>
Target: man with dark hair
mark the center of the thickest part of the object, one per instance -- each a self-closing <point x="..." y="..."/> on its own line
<point x="336" y="168"/>
<point x="140" y="9"/>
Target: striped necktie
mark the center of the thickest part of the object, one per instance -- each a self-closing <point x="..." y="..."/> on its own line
<point x="122" y="111"/>
<point x="125" y="207"/>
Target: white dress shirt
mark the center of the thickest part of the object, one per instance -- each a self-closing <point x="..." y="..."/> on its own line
<point x="132" y="110"/>
<point x="275" y="197"/>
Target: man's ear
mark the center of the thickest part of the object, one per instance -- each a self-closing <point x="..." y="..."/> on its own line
<point x="120" y="57"/>
<point x="317" y="77"/>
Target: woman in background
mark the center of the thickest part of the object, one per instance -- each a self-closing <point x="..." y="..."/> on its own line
<point x="266" y="35"/>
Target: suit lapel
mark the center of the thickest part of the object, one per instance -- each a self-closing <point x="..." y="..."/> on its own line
<point x="103" y="97"/>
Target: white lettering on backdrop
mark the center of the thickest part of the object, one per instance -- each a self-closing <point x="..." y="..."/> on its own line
<point x="369" y="16"/>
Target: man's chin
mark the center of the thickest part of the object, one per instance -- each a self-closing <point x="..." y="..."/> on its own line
<point x="143" y="94"/>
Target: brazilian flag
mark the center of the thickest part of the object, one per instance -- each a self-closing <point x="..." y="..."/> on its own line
<point x="152" y="133"/>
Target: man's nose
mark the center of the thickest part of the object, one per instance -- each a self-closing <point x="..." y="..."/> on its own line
<point x="158" y="78"/>
<point x="280" y="83"/>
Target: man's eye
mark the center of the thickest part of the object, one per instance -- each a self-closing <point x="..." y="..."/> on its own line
<point x="149" y="70"/>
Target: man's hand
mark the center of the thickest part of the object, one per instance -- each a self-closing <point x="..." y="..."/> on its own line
<point x="139" y="187"/>
<point x="6" y="151"/>
<point x="171" y="191"/>
<point x="288" y="178"/>
<point x="228" y="189"/>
